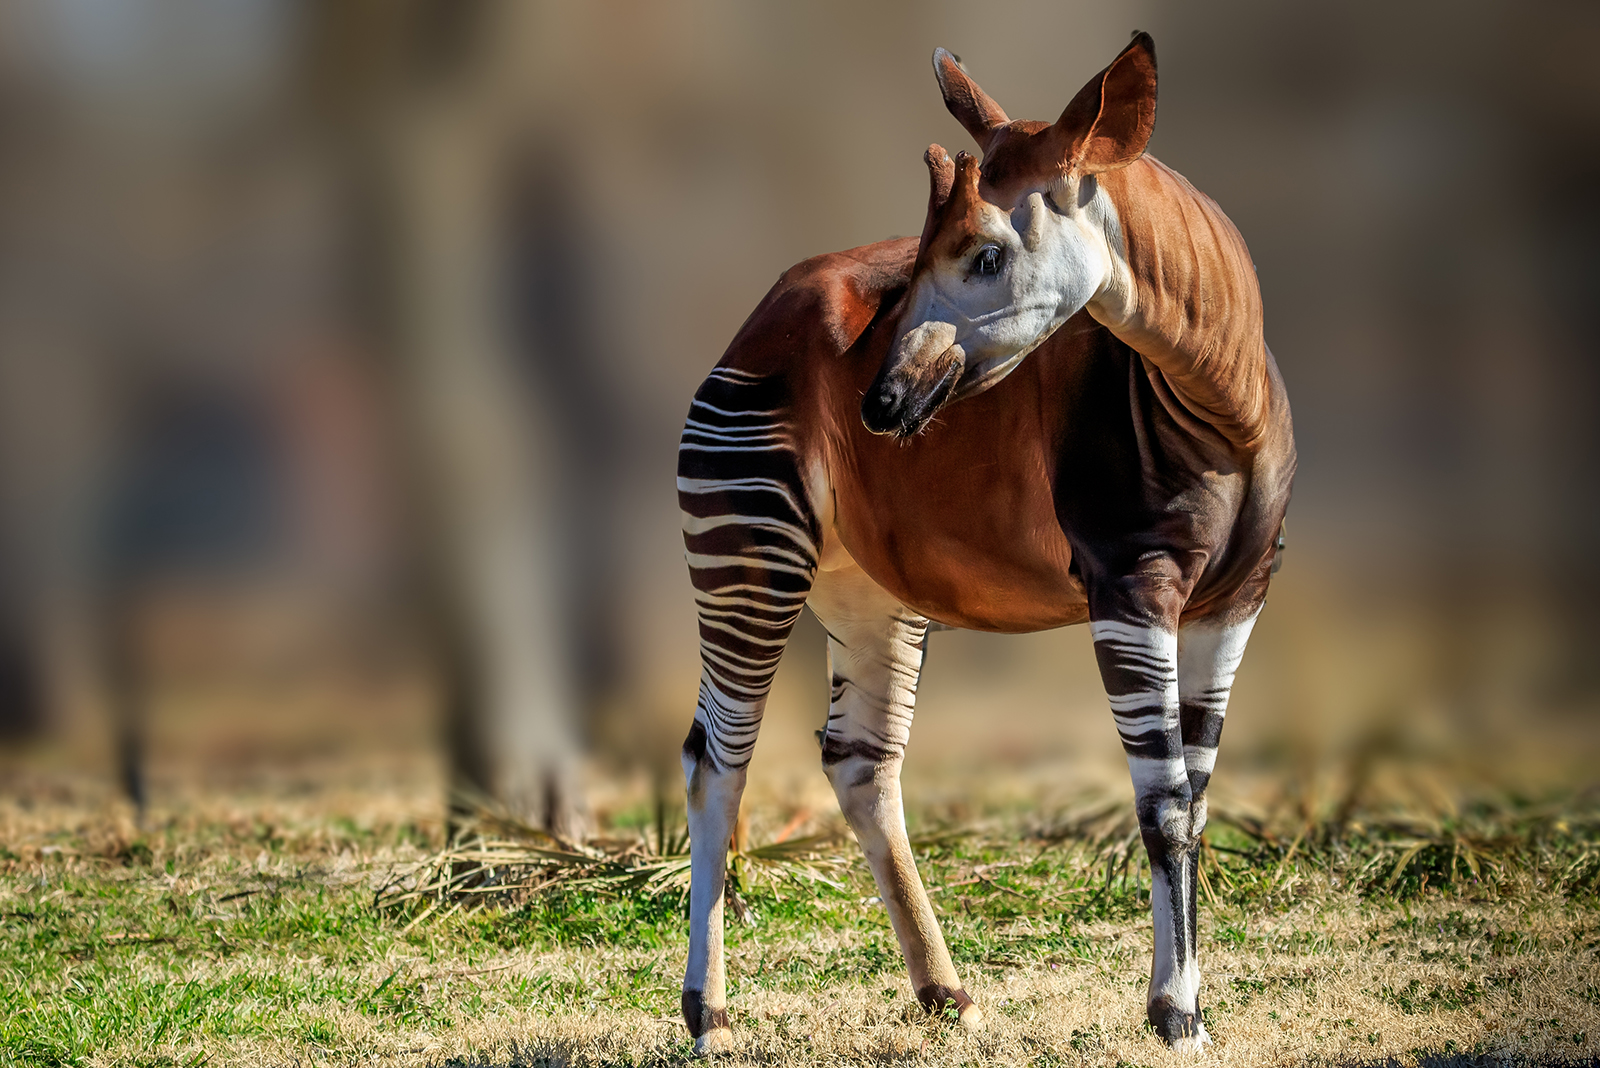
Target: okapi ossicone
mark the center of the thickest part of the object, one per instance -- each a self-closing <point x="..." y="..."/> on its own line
<point x="1055" y="407"/>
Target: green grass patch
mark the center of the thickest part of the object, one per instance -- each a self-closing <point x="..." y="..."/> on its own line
<point x="197" y="936"/>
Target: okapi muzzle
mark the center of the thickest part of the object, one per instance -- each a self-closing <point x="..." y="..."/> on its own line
<point x="919" y="376"/>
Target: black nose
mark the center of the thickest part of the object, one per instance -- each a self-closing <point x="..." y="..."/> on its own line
<point x="880" y="408"/>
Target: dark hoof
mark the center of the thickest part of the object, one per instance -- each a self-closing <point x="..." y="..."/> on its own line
<point x="1184" y="1031"/>
<point x="947" y="1002"/>
<point x="709" y="1027"/>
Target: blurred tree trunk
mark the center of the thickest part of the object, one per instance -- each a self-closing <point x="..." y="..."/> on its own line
<point x="435" y="125"/>
<point x="491" y="483"/>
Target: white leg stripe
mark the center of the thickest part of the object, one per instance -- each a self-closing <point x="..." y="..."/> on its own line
<point x="1208" y="657"/>
<point x="698" y="560"/>
<point x="1152" y="775"/>
<point x="1131" y="636"/>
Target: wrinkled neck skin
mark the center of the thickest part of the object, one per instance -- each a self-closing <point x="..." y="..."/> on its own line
<point x="1183" y="293"/>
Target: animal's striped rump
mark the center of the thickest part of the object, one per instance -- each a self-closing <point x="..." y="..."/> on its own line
<point x="751" y="541"/>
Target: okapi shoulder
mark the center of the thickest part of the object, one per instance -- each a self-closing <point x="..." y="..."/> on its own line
<point x="821" y="306"/>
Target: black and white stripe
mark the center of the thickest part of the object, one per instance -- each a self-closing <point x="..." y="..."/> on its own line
<point x="1208" y="656"/>
<point x="750" y="538"/>
<point x="1139" y="667"/>
<point x="1169" y="695"/>
<point x="875" y="661"/>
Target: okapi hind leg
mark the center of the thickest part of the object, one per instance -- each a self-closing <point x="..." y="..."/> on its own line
<point x="714" y="795"/>
<point x="739" y="652"/>
<point x="750" y="536"/>
<point x="1139" y="666"/>
<point x="875" y="651"/>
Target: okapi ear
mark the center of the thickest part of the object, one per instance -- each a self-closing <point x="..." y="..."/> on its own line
<point x="969" y="104"/>
<point x="1109" y="123"/>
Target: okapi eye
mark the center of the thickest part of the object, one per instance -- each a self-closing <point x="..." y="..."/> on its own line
<point x="987" y="261"/>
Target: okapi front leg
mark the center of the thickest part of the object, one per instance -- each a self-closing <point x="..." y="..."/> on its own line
<point x="1208" y="656"/>
<point x="1139" y="666"/>
<point x="875" y="648"/>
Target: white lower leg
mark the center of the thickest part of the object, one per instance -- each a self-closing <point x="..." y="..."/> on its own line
<point x="713" y="807"/>
<point x="1175" y="970"/>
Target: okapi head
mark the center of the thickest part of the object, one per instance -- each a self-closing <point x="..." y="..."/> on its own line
<point x="1012" y="247"/>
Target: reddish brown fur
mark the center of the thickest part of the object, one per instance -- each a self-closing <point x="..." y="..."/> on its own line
<point x="969" y="522"/>
<point x="918" y="515"/>
<point x="1199" y="318"/>
<point x="964" y="521"/>
<point x="1133" y="470"/>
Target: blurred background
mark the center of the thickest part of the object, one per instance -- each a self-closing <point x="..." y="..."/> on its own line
<point x="344" y="348"/>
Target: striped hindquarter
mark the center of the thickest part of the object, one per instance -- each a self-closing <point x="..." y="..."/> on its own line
<point x="751" y="539"/>
<point x="1168" y="692"/>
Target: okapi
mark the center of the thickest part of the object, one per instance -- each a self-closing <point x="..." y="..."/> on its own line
<point x="1057" y="406"/>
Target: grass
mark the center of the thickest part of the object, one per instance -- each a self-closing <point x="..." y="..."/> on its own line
<point x="344" y="931"/>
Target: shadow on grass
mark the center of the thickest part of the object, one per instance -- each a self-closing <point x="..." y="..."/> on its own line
<point x="567" y="1054"/>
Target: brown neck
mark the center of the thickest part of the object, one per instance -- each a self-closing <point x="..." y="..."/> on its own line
<point x="1189" y="301"/>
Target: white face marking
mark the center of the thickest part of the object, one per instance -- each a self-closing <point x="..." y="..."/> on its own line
<point x="1054" y="258"/>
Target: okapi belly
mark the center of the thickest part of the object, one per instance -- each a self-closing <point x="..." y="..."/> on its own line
<point x="972" y="555"/>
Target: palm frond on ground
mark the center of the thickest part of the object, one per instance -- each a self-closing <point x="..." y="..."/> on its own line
<point x="493" y="857"/>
